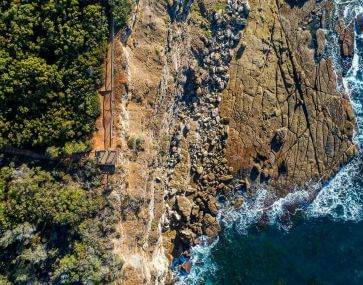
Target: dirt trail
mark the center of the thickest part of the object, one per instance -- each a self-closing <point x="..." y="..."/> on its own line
<point x="140" y="234"/>
<point x="101" y="138"/>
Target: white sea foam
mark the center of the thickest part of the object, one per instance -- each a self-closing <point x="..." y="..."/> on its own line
<point x="342" y="198"/>
<point x="353" y="85"/>
<point x="250" y="212"/>
<point x="203" y="266"/>
<point x="264" y="208"/>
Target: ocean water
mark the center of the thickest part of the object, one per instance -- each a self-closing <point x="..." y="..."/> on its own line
<point x="318" y="243"/>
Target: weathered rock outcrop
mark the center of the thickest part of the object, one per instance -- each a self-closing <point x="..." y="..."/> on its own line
<point x="286" y="113"/>
<point x="225" y="94"/>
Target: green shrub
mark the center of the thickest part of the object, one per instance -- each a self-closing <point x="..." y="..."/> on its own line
<point x="52" y="230"/>
<point x="53" y="152"/>
<point x="140" y="144"/>
<point x="220" y="6"/>
<point x="121" y="12"/>
<point x="51" y="65"/>
<point x="136" y="144"/>
<point x="208" y="33"/>
<point x="131" y="142"/>
<point x="75" y="147"/>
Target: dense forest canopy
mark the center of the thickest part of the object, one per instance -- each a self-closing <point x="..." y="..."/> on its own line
<point x="53" y="230"/>
<point x="51" y="55"/>
<point x="56" y="224"/>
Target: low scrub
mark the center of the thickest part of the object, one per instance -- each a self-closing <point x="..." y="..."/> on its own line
<point x="53" y="230"/>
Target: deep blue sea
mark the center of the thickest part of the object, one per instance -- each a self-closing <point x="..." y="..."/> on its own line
<point x="322" y="243"/>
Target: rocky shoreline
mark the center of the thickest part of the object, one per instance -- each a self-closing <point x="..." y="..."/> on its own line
<point x="214" y="172"/>
<point x="232" y="95"/>
<point x="195" y="208"/>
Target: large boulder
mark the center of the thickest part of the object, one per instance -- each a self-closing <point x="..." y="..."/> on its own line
<point x="184" y="207"/>
<point x="211" y="226"/>
<point x="279" y="139"/>
<point x="187" y="236"/>
<point x="346" y="36"/>
<point x="212" y="205"/>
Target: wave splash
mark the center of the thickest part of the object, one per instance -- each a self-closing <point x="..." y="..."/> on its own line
<point x="264" y="209"/>
<point x="203" y="265"/>
<point x="340" y="200"/>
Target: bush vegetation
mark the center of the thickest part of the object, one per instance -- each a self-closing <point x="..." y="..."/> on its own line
<point x="51" y="55"/>
<point x="55" y="224"/>
<point x="121" y="12"/>
<point x="53" y="230"/>
<point x="136" y="144"/>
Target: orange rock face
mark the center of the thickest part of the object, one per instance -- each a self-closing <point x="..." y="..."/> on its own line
<point x="289" y="124"/>
<point x="226" y="95"/>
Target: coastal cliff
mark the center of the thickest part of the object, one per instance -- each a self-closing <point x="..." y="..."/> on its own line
<point x="217" y="97"/>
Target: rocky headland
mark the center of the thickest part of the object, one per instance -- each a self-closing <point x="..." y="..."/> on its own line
<point x="216" y="97"/>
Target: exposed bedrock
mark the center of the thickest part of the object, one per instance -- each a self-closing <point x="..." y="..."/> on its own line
<point x="198" y="171"/>
<point x="229" y="95"/>
<point x="259" y="103"/>
<point x="289" y="123"/>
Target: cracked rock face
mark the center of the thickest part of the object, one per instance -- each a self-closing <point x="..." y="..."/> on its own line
<point x="232" y="94"/>
<point x="286" y="113"/>
<point x="256" y="101"/>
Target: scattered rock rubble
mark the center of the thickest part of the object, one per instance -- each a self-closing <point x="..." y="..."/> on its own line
<point x="194" y="210"/>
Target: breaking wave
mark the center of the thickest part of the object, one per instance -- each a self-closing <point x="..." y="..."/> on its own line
<point x="342" y="198"/>
<point x="203" y="265"/>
